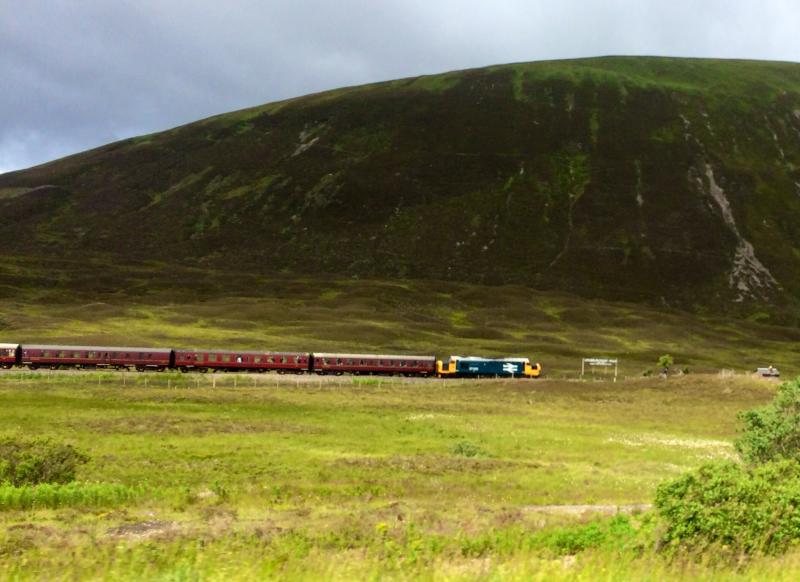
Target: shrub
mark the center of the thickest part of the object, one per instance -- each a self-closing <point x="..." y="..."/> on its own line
<point x="614" y="533"/>
<point x="745" y="509"/>
<point x="466" y="449"/>
<point x="30" y="462"/>
<point x="773" y="431"/>
<point x="665" y="363"/>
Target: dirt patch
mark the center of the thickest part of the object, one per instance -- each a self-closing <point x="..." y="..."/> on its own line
<point x="434" y="465"/>
<point x="174" y="425"/>
<point x="143" y="530"/>
<point x="587" y="509"/>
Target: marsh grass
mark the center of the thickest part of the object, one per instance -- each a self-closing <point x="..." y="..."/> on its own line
<point x="76" y="495"/>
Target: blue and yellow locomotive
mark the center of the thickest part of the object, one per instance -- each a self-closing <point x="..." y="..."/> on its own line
<point x="477" y="367"/>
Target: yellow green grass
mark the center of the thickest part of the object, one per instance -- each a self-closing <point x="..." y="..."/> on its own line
<point x="241" y="477"/>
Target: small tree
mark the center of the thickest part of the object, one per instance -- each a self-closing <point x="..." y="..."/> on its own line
<point x="773" y="431"/>
<point x="665" y="363"/>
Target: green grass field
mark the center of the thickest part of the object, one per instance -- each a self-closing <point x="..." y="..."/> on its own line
<point x="238" y="477"/>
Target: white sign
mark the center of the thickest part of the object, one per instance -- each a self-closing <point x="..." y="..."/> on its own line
<point x="602" y="362"/>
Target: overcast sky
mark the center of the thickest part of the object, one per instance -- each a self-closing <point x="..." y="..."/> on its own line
<point x="75" y="74"/>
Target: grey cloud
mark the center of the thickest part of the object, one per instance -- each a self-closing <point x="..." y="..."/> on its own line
<point x="77" y="74"/>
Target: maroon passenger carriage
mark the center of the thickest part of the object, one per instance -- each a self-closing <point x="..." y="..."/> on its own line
<point x="8" y="355"/>
<point x="325" y="363"/>
<point x="55" y="356"/>
<point x="244" y="361"/>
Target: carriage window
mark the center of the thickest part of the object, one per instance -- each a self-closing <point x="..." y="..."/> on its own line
<point x="338" y="361"/>
<point x="283" y="360"/>
<point x="271" y="360"/>
<point x="297" y="359"/>
<point x="257" y="360"/>
<point x="198" y="357"/>
<point x="212" y="357"/>
<point x="226" y="358"/>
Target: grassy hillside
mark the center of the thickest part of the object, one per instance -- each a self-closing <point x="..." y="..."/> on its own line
<point x="669" y="181"/>
<point x="183" y="307"/>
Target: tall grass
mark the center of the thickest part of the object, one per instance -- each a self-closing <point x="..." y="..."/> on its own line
<point x="52" y="496"/>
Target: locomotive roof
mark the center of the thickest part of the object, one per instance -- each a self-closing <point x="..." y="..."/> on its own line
<point x="385" y="357"/>
<point x="481" y="359"/>
<point x="92" y="348"/>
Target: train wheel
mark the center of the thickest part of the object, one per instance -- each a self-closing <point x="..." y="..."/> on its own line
<point x="33" y="366"/>
<point x="184" y="369"/>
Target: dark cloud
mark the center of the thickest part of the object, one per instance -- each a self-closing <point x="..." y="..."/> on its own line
<point x="80" y="73"/>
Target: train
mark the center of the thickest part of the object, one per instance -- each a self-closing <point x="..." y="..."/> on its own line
<point x="55" y="357"/>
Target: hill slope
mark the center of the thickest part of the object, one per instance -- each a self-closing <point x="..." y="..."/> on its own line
<point x="671" y="181"/>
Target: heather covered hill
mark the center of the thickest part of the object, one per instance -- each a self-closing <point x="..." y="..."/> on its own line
<point x="670" y="181"/>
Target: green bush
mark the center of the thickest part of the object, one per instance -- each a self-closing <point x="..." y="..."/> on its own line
<point x="613" y="533"/>
<point x="728" y="505"/>
<point x="30" y="462"/>
<point x="466" y="449"/>
<point x="773" y="431"/>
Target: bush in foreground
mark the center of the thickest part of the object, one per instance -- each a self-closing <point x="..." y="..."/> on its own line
<point x="727" y="505"/>
<point x="30" y="462"/>
<point x="773" y="431"/>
